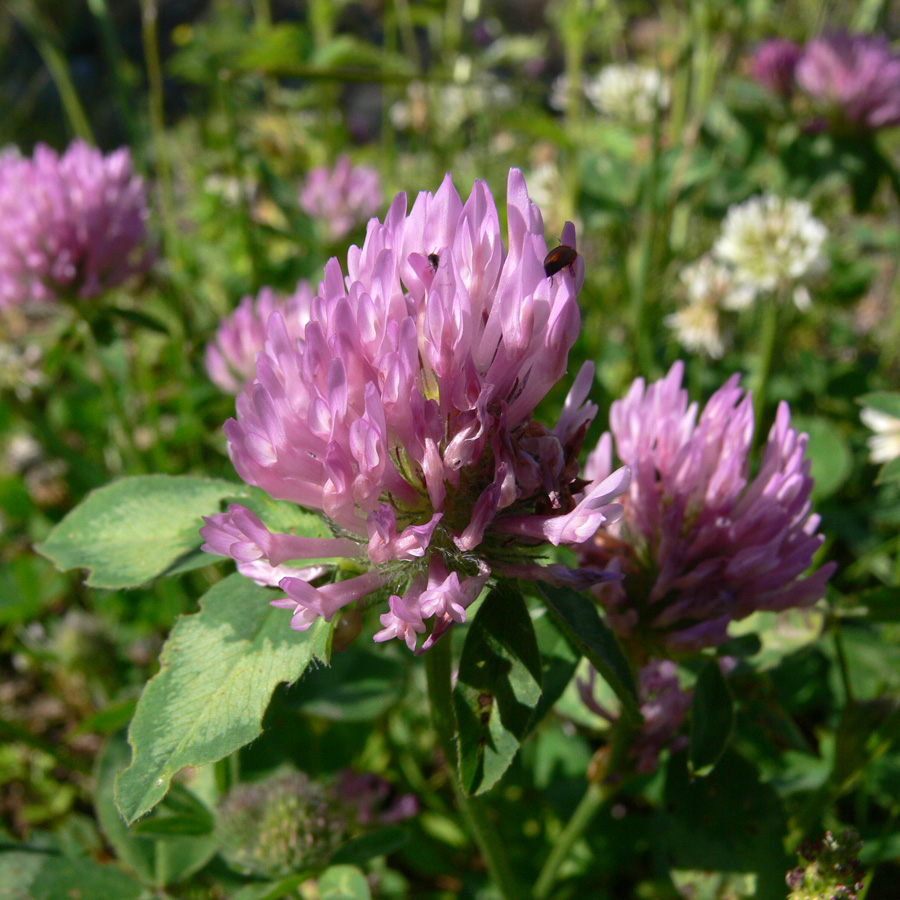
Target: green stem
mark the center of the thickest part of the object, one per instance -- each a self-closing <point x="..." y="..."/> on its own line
<point x="121" y="429"/>
<point x="262" y="12"/>
<point x="764" y="356"/>
<point x="645" y="257"/>
<point x="158" y="123"/>
<point x="886" y="832"/>
<point x="407" y="33"/>
<point x="438" y="671"/>
<point x="890" y="354"/>
<point x="112" y="50"/>
<point x="595" y="796"/>
<point x="55" y="61"/>
<point x="842" y="660"/>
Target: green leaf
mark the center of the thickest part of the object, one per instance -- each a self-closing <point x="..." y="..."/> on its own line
<point x="376" y="843"/>
<point x="579" y="621"/>
<point x="136" y="528"/>
<point x="158" y="862"/>
<point x="361" y="685"/>
<point x="867" y="730"/>
<point x="137" y="317"/>
<point x="712" y="719"/>
<point x="558" y="661"/>
<point x="343" y="883"/>
<point x="180" y="812"/>
<point x="275" y="49"/>
<point x="887" y="402"/>
<point x="218" y="670"/>
<point x="47" y="876"/>
<point x="882" y="603"/>
<point x="828" y="452"/>
<point x="890" y="472"/>
<point x="272" y="890"/>
<point x="731" y="821"/>
<point x="498" y="687"/>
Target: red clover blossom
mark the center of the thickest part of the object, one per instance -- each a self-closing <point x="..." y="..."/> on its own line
<point x="702" y="543"/>
<point x="342" y="197"/>
<point x="231" y="355"/>
<point x="403" y="413"/>
<point x="70" y="225"/>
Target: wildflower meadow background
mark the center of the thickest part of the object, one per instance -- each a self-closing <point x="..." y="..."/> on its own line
<point x="449" y="450"/>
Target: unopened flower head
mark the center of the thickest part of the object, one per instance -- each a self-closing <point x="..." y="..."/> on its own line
<point x="629" y="93"/>
<point x="774" y="65"/>
<point x="831" y="869"/>
<point x="404" y="414"/>
<point x="701" y="542"/>
<point x="884" y="445"/>
<point x="664" y="705"/>
<point x="341" y="198"/>
<point x="772" y="243"/>
<point x="285" y="824"/>
<point x="854" y="78"/>
<point x="71" y="225"/>
<point x="231" y="355"/>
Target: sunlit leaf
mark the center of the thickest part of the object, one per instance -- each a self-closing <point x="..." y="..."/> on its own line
<point x="217" y="673"/>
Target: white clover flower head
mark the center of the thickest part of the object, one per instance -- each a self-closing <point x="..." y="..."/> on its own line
<point x="884" y="445"/>
<point x="559" y="92"/>
<point x="629" y="93"/>
<point x="772" y="242"/>
<point x="709" y="282"/>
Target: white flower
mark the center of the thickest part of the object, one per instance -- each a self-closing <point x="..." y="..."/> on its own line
<point x="559" y="93"/>
<point x="22" y="452"/>
<point x="630" y="93"/>
<point x="884" y="445"/>
<point x="20" y="369"/>
<point x="696" y="326"/>
<point x="710" y="282"/>
<point x="771" y="242"/>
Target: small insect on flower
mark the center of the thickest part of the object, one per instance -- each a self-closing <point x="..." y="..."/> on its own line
<point x="435" y="261"/>
<point x="558" y="258"/>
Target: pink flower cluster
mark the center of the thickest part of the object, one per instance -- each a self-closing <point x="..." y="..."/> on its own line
<point x="341" y="198"/>
<point x="70" y="225"/>
<point x="854" y="79"/>
<point x="404" y="414"/>
<point x="701" y="542"/>
<point x="230" y="357"/>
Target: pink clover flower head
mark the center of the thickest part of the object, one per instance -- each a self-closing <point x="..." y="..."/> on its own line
<point x="403" y="414"/>
<point x="774" y="65"/>
<point x="70" y="225"/>
<point x="664" y="705"/>
<point x="343" y="197"/>
<point x="230" y="357"/>
<point x="701" y="543"/>
<point x="856" y="78"/>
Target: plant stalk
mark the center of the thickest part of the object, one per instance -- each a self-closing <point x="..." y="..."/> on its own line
<point x="764" y="355"/>
<point x="438" y="671"/>
<point x="55" y="61"/>
<point x="595" y="796"/>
